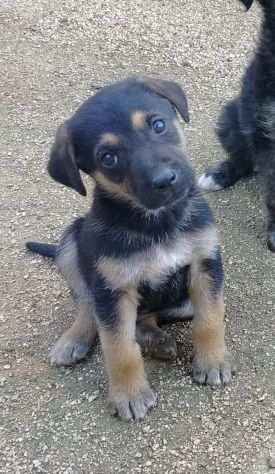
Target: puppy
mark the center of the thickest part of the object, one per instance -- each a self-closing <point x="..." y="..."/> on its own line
<point x="246" y="127"/>
<point x="147" y="246"/>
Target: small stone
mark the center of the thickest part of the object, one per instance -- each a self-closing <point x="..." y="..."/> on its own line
<point x="92" y="397"/>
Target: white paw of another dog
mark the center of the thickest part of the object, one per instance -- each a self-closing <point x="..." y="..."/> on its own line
<point x="206" y="182"/>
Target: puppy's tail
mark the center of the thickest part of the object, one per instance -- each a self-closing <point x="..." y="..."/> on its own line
<point x="47" y="250"/>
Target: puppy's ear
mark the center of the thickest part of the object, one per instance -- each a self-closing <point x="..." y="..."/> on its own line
<point x="247" y="3"/>
<point x="62" y="165"/>
<point x="172" y="91"/>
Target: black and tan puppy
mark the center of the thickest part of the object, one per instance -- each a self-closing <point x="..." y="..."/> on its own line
<point x="147" y="245"/>
<point x="246" y="127"/>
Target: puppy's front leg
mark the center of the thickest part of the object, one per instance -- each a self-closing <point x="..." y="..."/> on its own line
<point x="130" y="394"/>
<point x="210" y="359"/>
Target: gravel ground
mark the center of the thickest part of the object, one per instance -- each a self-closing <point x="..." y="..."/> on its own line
<point x="53" y="55"/>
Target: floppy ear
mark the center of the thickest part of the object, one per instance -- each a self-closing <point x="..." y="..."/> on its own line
<point x="172" y="91"/>
<point x="247" y="3"/>
<point x="62" y="165"/>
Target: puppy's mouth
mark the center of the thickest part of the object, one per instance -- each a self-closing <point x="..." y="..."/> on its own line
<point x="156" y="203"/>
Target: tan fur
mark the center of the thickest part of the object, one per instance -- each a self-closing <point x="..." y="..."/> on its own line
<point x="122" y="354"/>
<point x="74" y="344"/>
<point x="179" y="128"/>
<point x="84" y="327"/>
<point x="138" y="119"/>
<point x="154" y="265"/>
<point x="120" y="191"/>
<point x="67" y="263"/>
<point x="208" y="324"/>
<point x="153" y="340"/>
<point x="109" y="139"/>
<point x="204" y="243"/>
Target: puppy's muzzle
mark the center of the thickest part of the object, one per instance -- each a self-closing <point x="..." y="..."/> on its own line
<point x="164" y="179"/>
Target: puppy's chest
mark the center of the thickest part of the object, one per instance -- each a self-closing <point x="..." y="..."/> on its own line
<point x="152" y="265"/>
<point x="170" y="293"/>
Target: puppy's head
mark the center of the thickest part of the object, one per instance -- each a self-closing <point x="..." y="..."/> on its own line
<point x="128" y="138"/>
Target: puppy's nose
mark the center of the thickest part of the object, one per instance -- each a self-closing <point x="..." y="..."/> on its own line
<point x="164" y="180"/>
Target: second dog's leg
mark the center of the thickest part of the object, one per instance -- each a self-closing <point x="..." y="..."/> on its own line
<point x="240" y="162"/>
<point x="270" y="202"/>
<point x="74" y="344"/>
<point x="266" y="166"/>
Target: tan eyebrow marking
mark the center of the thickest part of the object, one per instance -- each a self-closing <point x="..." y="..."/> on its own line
<point x="138" y="119"/>
<point x="109" y="139"/>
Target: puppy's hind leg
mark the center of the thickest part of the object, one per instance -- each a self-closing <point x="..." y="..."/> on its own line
<point x="75" y="343"/>
<point x="239" y="164"/>
<point x="153" y="340"/>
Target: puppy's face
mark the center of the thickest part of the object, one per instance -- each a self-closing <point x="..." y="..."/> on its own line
<point x="128" y="138"/>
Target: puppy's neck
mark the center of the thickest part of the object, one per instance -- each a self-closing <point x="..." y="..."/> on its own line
<point x="156" y="224"/>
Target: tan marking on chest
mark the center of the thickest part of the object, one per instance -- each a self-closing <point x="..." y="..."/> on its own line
<point x="151" y="266"/>
<point x="154" y="264"/>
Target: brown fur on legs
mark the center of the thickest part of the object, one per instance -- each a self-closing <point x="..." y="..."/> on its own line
<point x="75" y="343"/>
<point x="130" y="394"/>
<point x="153" y="340"/>
<point x="210" y="364"/>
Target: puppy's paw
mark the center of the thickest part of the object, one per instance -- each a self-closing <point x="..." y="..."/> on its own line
<point x="207" y="182"/>
<point x="133" y="408"/>
<point x="212" y="374"/>
<point x="68" y="351"/>
<point x="163" y="348"/>
<point x="271" y="241"/>
<point x="156" y="343"/>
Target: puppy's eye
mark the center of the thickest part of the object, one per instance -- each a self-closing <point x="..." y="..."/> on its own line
<point x="158" y="125"/>
<point x="109" y="160"/>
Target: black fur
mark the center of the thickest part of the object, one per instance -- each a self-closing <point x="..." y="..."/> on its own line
<point x="172" y="293"/>
<point x="147" y="242"/>
<point x="47" y="250"/>
<point x="106" y="301"/>
<point x="116" y="227"/>
<point x="247" y="3"/>
<point x="214" y="268"/>
<point x="246" y="127"/>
